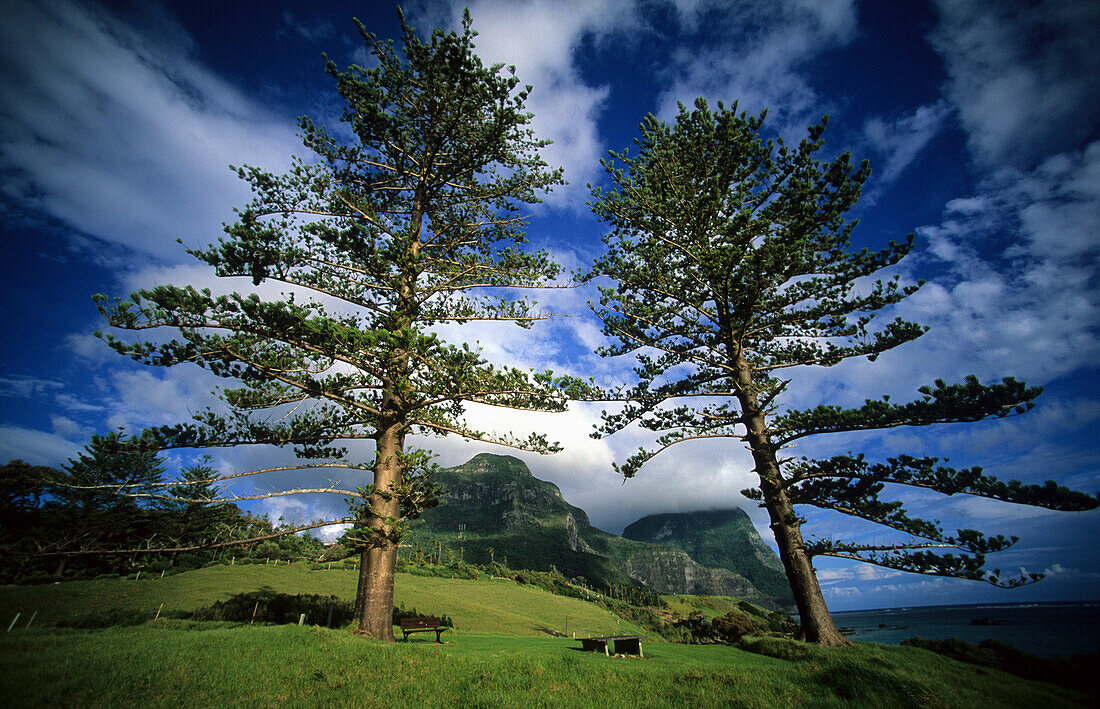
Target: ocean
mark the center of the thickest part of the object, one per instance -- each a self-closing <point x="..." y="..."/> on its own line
<point x="1043" y="629"/>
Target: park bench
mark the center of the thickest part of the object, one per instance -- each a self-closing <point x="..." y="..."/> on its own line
<point x="421" y="625"/>
<point x="624" y="644"/>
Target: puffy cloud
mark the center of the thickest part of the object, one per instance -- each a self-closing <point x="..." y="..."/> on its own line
<point x="122" y="134"/>
<point x="1022" y="74"/>
<point x="35" y="447"/>
<point x="762" y="68"/>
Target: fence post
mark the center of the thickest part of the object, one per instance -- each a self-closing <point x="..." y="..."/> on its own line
<point x="13" y="622"/>
<point x="33" y="616"/>
<point x="158" y="611"/>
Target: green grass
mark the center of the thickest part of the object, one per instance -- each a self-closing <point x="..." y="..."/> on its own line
<point x="496" y="657"/>
<point x="483" y="606"/>
<point x="175" y="664"/>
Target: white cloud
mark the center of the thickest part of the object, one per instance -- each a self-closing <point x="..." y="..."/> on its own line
<point x="768" y="44"/>
<point x="900" y="140"/>
<point x="310" y="31"/>
<point x="35" y="447"/>
<point x="1020" y="296"/>
<point x="1022" y="74"/>
<point x="22" y="386"/>
<point x="123" y="134"/>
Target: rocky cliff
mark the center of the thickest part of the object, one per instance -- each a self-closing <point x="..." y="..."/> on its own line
<point x="495" y="509"/>
<point x="723" y="539"/>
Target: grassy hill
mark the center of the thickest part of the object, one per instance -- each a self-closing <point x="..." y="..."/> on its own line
<point x="482" y="606"/>
<point x="495" y="658"/>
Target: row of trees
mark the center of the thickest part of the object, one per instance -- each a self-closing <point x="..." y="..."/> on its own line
<point x="728" y="262"/>
<point x="111" y="510"/>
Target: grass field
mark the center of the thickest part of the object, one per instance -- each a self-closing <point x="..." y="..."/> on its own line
<point x="484" y="606"/>
<point x="494" y="659"/>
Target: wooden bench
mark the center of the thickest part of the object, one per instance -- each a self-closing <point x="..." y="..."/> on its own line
<point x="421" y="625"/>
<point x="624" y="644"/>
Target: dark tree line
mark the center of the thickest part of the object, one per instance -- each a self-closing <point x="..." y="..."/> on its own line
<point x="112" y="510"/>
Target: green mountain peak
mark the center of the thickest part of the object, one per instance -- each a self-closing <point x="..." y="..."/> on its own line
<point x="495" y="509"/>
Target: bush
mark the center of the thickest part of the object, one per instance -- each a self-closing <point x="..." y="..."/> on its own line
<point x="279" y="608"/>
<point x="779" y="648"/>
<point x="186" y="562"/>
<point x="268" y="550"/>
<point x="39" y="579"/>
<point x="399" y="613"/>
<point x="733" y="626"/>
<point x="1077" y="672"/>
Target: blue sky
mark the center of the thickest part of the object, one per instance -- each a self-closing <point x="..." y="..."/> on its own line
<point x="981" y="120"/>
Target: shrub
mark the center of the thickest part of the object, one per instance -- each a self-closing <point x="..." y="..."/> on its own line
<point x="268" y="550"/>
<point x="279" y="608"/>
<point x="733" y="626"/>
<point x="39" y="579"/>
<point x="779" y="648"/>
<point x="399" y="613"/>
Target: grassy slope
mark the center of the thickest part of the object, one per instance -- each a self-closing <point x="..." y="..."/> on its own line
<point x="173" y="664"/>
<point x="484" y="606"/>
<point x="485" y="663"/>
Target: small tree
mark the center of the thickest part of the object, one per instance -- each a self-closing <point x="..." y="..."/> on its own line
<point x="109" y="465"/>
<point x="731" y="263"/>
<point x="405" y="219"/>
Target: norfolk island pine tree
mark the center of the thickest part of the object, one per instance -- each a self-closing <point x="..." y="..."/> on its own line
<point x="731" y="264"/>
<point x="412" y="222"/>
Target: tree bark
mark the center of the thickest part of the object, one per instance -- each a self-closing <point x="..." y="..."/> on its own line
<point x="374" y="595"/>
<point x="817" y="624"/>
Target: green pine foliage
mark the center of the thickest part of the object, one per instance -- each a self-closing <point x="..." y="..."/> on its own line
<point x="731" y="264"/>
<point x="410" y="215"/>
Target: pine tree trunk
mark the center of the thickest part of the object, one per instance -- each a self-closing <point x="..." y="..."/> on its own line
<point x="817" y="623"/>
<point x="374" y="596"/>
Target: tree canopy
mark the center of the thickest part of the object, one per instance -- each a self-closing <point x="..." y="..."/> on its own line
<point x="407" y="216"/>
<point x="732" y="264"/>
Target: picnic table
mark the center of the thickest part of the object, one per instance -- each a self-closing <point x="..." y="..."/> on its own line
<point x="623" y="644"/>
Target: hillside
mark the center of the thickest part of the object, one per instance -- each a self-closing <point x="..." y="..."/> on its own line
<point x="724" y="539"/>
<point x="479" y="606"/>
<point x="496" y="509"/>
<point x="498" y="655"/>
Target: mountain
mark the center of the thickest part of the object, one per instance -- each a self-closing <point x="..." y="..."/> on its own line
<point x="495" y="509"/>
<point x="724" y="539"/>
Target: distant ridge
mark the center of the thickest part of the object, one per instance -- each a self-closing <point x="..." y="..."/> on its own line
<point x="724" y="539"/>
<point x="493" y="502"/>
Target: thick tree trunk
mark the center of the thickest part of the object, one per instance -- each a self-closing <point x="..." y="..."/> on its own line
<point x="817" y="623"/>
<point x="374" y="596"/>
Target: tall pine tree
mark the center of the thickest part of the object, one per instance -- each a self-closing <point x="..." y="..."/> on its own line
<point x="407" y="217"/>
<point x="732" y="264"/>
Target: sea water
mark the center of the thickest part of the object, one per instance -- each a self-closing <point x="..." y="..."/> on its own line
<point x="1043" y="629"/>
